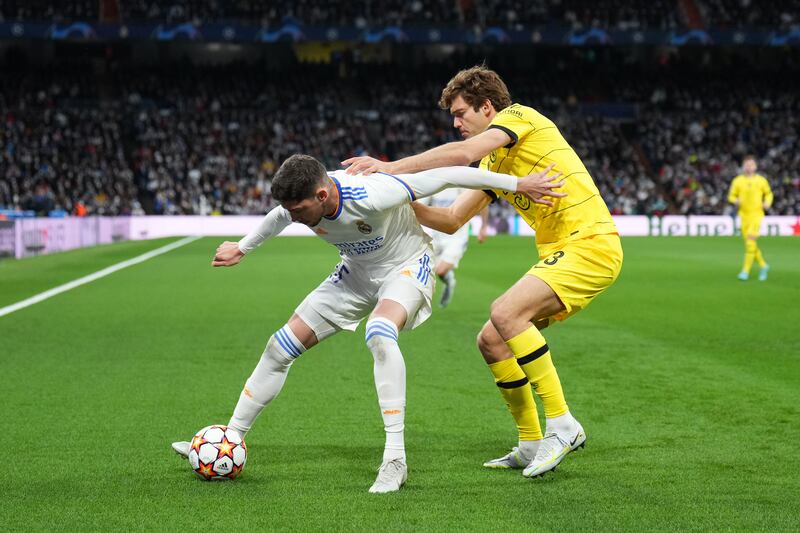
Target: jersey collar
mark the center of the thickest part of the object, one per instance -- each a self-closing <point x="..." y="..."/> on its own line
<point x="338" y="207"/>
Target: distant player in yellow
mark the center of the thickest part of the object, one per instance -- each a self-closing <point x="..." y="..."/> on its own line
<point x="750" y="192"/>
<point x="579" y="252"/>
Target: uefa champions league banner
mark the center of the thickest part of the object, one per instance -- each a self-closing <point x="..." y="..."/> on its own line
<point x="39" y="236"/>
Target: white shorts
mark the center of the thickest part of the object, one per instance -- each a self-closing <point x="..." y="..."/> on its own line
<point x="450" y="248"/>
<point x="349" y="295"/>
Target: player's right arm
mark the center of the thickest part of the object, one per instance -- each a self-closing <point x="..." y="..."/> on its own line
<point x="450" y="219"/>
<point x="733" y="195"/>
<point x="231" y="253"/>
<point x="453" y="154"/>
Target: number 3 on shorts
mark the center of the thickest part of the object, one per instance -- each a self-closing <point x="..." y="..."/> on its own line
<point x="554" y="258"/>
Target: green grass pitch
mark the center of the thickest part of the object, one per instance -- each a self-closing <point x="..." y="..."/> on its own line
<point x="686" y="380"/>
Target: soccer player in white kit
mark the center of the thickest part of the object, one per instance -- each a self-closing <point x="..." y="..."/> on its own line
<point x="384" y="274"/>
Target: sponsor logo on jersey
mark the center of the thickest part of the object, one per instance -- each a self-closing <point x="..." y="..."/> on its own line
<point x="522" y="202"/>
<point x="363" y="227"/>
<point x="359" y="247"/>
<point x="512" y="111"/>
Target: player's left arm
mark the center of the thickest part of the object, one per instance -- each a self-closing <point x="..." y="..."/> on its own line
<point x="535" y="186"/>
<point x="457" y="153"/>
<point x="768" y="197"/>
<point x="450" y="219"/>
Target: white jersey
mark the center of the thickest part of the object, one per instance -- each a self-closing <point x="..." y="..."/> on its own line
<point x="374" y="227"/>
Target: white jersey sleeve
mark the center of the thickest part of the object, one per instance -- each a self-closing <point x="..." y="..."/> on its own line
<point x="430" y="182"/>
<point x="271" y="225"/>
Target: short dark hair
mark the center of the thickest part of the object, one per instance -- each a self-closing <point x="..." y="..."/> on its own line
<point x="298" y="179"/>
<point x="476" y="85"/>
<point x="750" y="157"/>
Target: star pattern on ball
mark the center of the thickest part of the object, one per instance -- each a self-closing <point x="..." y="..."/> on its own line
<point x="207" y="471"/>
<point x="225" y="448"/>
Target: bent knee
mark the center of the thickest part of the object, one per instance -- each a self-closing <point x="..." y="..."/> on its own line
<point x="491" y="346"/>
<point x="499" y="314"/>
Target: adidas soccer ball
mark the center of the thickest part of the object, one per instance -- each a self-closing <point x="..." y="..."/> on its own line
<point x="218" y="453"/>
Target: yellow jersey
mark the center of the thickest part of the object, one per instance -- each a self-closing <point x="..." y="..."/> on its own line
<point x="752" y="192"/>
<point x="535" y="143"/>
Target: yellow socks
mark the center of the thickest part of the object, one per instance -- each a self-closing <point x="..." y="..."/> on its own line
<point x="531" y="352"/>
<point x="750" y="249"/>
<point x="516" y="391"/>
<point x="760" y="258"/>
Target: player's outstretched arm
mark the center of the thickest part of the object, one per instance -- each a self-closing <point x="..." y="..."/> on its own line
<point x="450" y="219"/>
<point x="228" y="254"/>
<point x="231" y="253"/>
<point x="458" y="153"/>
<point x="539" y="185"/>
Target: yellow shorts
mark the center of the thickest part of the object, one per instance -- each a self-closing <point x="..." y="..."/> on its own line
<point x="751" y="226"/>
<point x="579" y="270"/>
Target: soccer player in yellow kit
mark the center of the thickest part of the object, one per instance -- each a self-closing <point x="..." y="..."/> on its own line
<point x="750" y="192"/>
<point x="580" y="254"/>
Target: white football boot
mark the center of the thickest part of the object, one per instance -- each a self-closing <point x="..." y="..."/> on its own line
<point x="513" y="459"/>
<point x="576" y="438"/>
<point x="552" y="451"/>
<point x="391" y="476"/>
<point x="182" y="448"/>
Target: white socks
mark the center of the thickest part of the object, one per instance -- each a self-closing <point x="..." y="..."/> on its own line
<point x="390" y="383"/>
<point x="528" y="448"/>
<point x="563" y="425"/>
<point x="267" y="379"/>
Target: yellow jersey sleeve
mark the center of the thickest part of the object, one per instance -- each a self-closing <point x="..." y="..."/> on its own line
<point x="767" y="191"/>
<point x="733" y="195"/>
<point x="514" y="123"/>
<point x="536" y="142"/>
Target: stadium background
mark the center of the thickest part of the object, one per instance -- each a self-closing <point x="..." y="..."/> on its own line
<point x="142" y="107"/>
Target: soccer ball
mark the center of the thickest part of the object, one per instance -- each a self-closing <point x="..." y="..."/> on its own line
<point x="218" y="453"/>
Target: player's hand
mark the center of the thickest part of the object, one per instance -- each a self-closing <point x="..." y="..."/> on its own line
<point x="765" y="206"/>
<point x="228" y="254"/>
<point x="366" y="165"/>
<point x="538" y="185"/>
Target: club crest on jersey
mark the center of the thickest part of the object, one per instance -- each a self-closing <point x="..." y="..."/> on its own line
<point x="363" y="227"/>
<point x="522" y="201"/>
<point x="493" y="156"/>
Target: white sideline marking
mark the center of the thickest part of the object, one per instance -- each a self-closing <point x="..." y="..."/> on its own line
<point x="91" y="277"/>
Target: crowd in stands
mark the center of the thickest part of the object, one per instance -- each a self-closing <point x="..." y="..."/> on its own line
<point x="737" y="14"/>
<point x="512" y="14"/>
<point x="206" y="140"/>
<point x="654" y="14"/>
<point x="636" y="14"/>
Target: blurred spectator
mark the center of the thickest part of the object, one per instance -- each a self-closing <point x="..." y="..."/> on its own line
<point x="207" y="140"/>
